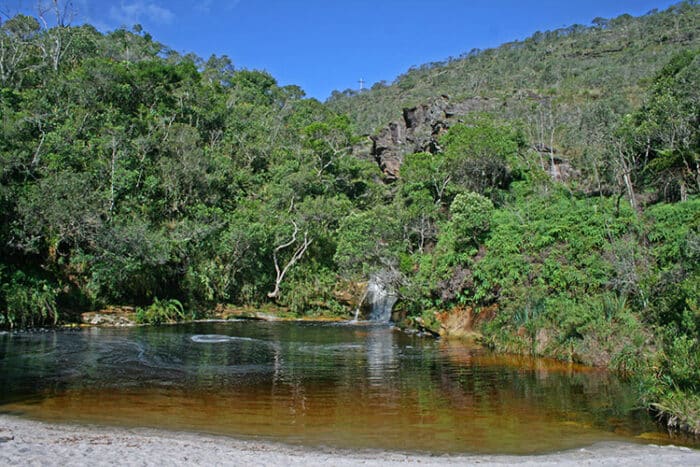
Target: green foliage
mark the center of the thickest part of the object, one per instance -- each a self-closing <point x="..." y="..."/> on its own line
<point x="471" y="214"/>
<point x="554" y="243"/>
<point x="674" y="232"/>
<point x="663" y="136"/>
<point x="424" y="171"/>
<point x="683" y="365"/>
<point x="477" y="155"/>
<point x="421" y="196"/>
<point x="312" y="294"/>
<point x="680" y="410"/>
<point x="161" y="311"/>
<point x="128" y="173"/>
<point x="27" y="301"/>
<point x="367" y="241"/>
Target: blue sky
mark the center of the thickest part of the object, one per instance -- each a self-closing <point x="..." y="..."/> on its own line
<point x="322" y="45"/>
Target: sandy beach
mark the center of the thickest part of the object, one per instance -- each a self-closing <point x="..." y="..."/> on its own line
<point x="27" y="442"/>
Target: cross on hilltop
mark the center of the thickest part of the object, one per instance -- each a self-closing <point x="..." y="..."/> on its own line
<point x="362" y="84"/>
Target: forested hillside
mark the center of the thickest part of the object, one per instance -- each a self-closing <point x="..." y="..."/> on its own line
<point x="133" y="175"/>
<point x="567" y="88"/>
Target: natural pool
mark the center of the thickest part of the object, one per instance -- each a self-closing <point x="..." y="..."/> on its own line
<point x="341" y="385"/>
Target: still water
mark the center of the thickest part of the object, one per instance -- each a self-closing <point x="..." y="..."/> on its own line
<point x="341" y="385"/>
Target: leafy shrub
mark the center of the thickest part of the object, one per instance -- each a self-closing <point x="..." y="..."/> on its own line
<point x="680" y="410"/>
<point x="478" y="154"/>
<point x="471" y="215"/>
<point x="28" y="301"/>
<point x="311" y="293"/>
<point x="161" y="311"/>
<point x="682" y="362"/>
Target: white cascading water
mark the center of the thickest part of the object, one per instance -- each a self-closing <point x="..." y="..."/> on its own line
<point x="381" y="299"/>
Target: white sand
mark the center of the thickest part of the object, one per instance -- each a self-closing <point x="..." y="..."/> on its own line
<point x="26" y="442"/>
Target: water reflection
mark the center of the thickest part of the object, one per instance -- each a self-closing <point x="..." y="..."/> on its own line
<point x="381" y="356"/>
<point x="342" y="385"/>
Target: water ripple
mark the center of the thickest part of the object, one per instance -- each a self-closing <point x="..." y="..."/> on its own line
<point x="219" y="339"/>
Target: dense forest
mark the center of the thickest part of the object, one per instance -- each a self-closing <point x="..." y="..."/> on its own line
<point x="133" y="175"/>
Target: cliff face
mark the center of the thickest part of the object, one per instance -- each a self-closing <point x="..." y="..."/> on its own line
<point x="419" y="131"/>
<point x="420" y="128"/>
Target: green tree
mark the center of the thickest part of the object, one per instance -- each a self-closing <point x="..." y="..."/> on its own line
<point x="367" y="242"/>
<point x="471" y="213"/>
<point x="17" y="57"/>
<point x="478" y="155"/>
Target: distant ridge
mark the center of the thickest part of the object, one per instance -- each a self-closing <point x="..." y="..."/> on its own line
<point x="573" y="67"/>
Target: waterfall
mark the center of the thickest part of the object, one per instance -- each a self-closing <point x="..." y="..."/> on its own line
<point x="380" y="298"/>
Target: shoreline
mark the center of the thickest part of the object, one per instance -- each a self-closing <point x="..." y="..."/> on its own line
<point x="29" y="442"/>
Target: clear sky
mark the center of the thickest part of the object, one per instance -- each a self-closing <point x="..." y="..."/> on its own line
<point x="322" y="45"/>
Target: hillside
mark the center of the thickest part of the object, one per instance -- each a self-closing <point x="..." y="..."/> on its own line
<point x="567" y="87"/>
<point x="572" y="65"/>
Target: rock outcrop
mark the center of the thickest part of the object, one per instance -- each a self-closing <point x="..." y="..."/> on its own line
<point x="420" y="128"/>
<point x="463" y="322"/>
<point x="419" y="131"/>
<point x="110" y="316"/>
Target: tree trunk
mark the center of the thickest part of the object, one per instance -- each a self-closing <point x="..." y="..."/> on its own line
<point x="630" y="190"/>
<point x="684" y="190"/>
<point x="627" y="179"/>
<point x="298" y="253"/>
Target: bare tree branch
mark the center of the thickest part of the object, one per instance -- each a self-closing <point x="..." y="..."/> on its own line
<point x="298" y="253"/>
